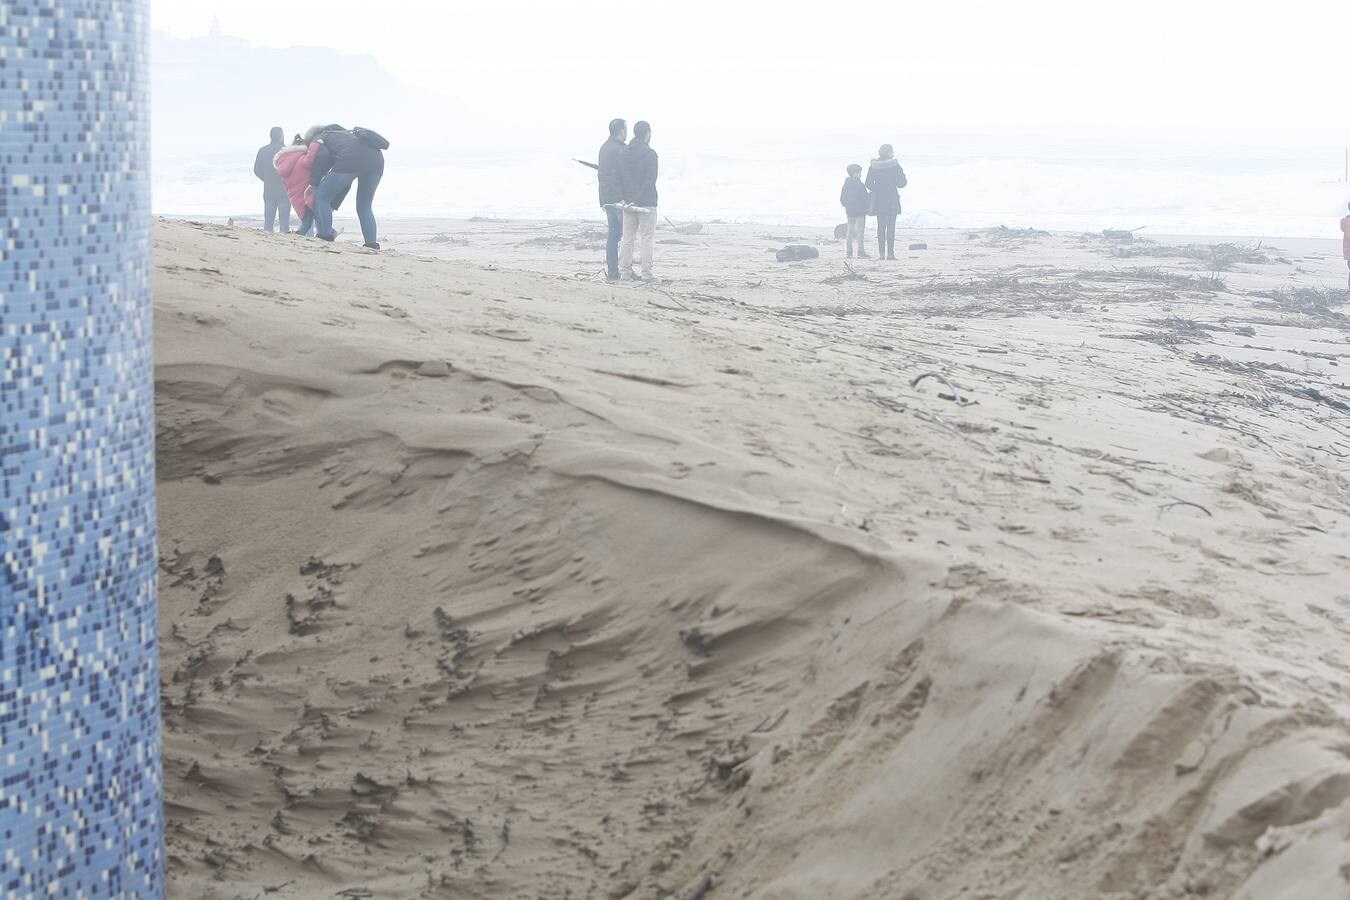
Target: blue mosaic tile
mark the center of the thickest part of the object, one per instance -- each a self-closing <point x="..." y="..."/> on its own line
<point x="81" y="811"/>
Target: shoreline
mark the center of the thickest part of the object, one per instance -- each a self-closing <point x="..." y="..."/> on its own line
<point x="397" y="223"/>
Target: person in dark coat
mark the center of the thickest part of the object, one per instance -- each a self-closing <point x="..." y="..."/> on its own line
<point x="885" y="178"/>
<point x="610" y="175"/>
<point x="856" y="202"/>
<point x="640" y="166"/>
<point x="276" y="204"/>
<point x="344" y="158"/>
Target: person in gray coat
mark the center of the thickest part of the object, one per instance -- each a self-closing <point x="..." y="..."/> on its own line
<point x="640" y="167"/>
<point x="610" y="175"/>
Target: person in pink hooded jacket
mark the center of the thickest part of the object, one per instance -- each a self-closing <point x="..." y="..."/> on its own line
<point x="295" y="164"/>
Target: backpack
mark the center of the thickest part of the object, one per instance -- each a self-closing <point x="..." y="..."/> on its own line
<point x="370" y="138"/>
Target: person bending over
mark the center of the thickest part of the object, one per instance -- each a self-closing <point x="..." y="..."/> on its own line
<point x="343" y="158"/>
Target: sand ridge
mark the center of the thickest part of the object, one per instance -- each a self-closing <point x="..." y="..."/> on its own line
<point x="490" y="583"/>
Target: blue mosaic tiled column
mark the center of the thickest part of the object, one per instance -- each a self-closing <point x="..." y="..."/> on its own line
<point x="81" y="810"/>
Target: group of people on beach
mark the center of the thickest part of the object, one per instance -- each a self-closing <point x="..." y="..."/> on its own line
<point x="315" y="172"/>
<point x="627" y="172"/>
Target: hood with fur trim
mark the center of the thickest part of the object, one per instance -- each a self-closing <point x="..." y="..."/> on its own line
<point x="891" y="163"/>
<point x="289" y="148"/>
<point x="295" y="165"/>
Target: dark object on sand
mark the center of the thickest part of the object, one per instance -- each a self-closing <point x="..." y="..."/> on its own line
<point x="589" y="165"/>
<point x="918" y="246"/>
<point x="841" y="232"/>
<point x="1119" y="234"/>
<point x="797" y="252"/>
<point x="954" y="396"/>
<point x="700" y="890"/>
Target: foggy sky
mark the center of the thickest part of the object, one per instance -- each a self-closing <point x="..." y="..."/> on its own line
<point x="748" y="74"/>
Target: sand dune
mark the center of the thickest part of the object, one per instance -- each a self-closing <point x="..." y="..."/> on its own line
<point x="482" y="583"/>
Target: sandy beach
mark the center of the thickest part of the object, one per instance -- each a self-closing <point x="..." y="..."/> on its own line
<point x="1016" y="568"/>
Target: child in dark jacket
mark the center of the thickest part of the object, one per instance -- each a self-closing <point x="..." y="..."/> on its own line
<point x="856" y="201"/>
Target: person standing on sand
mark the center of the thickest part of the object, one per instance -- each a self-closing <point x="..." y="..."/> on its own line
<point x="275" y="203"/>
<point x="1345" y="245"/>
<point x="345" y="157"/>
<point x="856" y="201"/>
<point x="295" y="164"/>
<point x="885" y="178"/>
<point x="639" y="172"/>
<point x="610" y="175"/>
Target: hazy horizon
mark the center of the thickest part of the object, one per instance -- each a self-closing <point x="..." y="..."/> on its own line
<point x="1154" y="71"/>
<point x="1034" y="116"/>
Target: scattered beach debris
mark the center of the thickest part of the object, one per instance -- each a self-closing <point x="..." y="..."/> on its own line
<point x="673" y="299"/>
<point x="583" y="239"/>
<point x="1093" y="470"/>
<point x="1216" y="257"/>
<point x="1003" y="235"/>
<point x="1210" y="282"/>
<point x="1166" y="506"/>
<point x="849" y="274"/>
<point x="954" y="396"/>
<point x="689" y="228"/>
<point x="918" y="246"/>
<point x="1314" y="301"/>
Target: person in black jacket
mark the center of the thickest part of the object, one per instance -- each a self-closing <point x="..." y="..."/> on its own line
<point x="856" y="202"/>
<point x="639" y="170"/>
<point x="275" y="202"/>
<point x="884" y="180"/>
<point x="610" y="176"/>
<point x="344" y="158"/>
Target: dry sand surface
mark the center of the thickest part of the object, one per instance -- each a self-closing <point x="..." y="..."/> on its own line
<point x="480" y="582"/>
